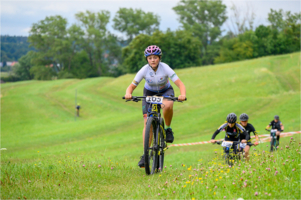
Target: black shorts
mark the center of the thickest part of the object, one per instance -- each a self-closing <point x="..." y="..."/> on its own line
<point x="146" y="106"/>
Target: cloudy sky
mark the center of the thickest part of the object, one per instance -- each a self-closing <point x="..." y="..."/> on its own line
<point x="17" y="16"/>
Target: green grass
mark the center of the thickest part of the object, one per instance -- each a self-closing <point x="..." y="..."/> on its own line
<point x="46" y="145"/>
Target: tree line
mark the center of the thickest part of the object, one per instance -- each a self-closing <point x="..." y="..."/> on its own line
<point x="88" y="49"/>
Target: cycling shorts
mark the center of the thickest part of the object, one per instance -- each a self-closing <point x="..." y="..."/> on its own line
<point x="169" y="92"/>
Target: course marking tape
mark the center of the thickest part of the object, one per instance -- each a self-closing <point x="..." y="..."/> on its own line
<point x="264" y="138"/>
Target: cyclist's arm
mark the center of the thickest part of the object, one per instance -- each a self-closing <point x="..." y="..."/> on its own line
<point x="215" y="134"/>
<point x="282" y="127"/>
<point x="218" y="131"/>
<point x="181" y="85"/>
<point x="268" y="126"/>
<point x="129" y="91"/>
<point x="255" y="132"/>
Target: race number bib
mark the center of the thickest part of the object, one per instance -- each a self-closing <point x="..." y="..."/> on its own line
<point x="154" y="100"/>
<point x="226" y="144"/>
<point x="242" y="145"/>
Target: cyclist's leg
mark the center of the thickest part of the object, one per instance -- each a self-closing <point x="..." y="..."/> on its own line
<point x="168" y="106"/>
<point x="278" y="137"/>
<point x="247" y="149"/>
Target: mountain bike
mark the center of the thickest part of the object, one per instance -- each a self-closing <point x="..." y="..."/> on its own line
<point x="273" y="139"/>
<point x="233" y="151"/>
<point x="155" y="136"/>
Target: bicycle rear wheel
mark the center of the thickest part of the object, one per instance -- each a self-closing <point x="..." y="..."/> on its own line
<point x="162" y="145"/>
<point x="150" y="147"/>
<point x="272" y="144"/>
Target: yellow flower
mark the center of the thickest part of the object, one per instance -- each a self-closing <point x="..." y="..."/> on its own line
<point x="184" y="186"/>
<point x="38" y="151"/>
<point x="35" y="164"/>
<point x="216" y="179"/>
<point x="210" y="190"/>
<point x="160" y="175"/>
<point x="220" y="177"/>
<point x="183" y="165"/>
<point x="201" y="181"/>
<point x="193" y="198"/>
<point x="187" y="182"/>
<point x="214" y="193"/>
<point x="192" y="183"/>
<point x="200" y="178"/>
<point x="222" y="171"/>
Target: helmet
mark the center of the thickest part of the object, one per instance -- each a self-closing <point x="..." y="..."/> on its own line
<point x="231" y="118"/>
<point x="276" y="117"/>
<point x="152" y="50"/>
<point x="243" y="117"/>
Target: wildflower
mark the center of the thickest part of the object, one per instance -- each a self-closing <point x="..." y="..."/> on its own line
<point x="215" y="187"/>
<point x="225" y="197"/>
<point x="294" y="169"/>
<point x="207" y="187"/>
<point x="148" y="185"/>
<point x="243" y="172"/>
<point x="112" y="168"/>
<point x="29" y="181"/>
<point x="174" y="192"/>
<point x="158" y="194"/>
<point x="193" y="198"/>
<point x="165" y="166"/>
<point x="160" y="175"/>
<point x="83" y="165"/>
<point x="187" y="182"/>
<point x="99" y="165"/>
<point x="170" y="165"/>
<point x="200" y="178"/>
<point x="184" y="186"/>
<point x="216" y="179"/>
<point x="38" y="151"/>
<point x="220" y="177"/>
<point x="214" y="193"/>
<point x="255" y="186"/>
<point x="276" y="172"/>
<point x="181" y="174"/>
<point x="256" y="194"/>
<point x="292" y="138"/>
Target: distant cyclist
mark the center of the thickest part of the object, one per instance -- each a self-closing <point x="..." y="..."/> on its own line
<point x="233" y="131"/>
<point x="77" y="109"/>
<point x="157" y="75"/>
<point x="276" y="124"/>
<point x="249" y="128"/>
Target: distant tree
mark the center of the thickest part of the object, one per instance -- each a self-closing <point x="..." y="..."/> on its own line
<point x="94" y="26"/>
<point x="133" y="22"/>
<point x="180" y="50"/>
<point x="204" y="19"/>
<point x="42" y="72"/>
<point x="22" y="69"/>
<point x="48" y="36"/>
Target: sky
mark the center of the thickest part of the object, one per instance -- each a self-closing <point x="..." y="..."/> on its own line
<point x="17" y="16"/>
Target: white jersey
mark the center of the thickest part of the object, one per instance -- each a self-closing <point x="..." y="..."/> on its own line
<point x="155" y="81"/>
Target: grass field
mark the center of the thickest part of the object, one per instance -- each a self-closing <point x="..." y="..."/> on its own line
<point x="52" y="154"/>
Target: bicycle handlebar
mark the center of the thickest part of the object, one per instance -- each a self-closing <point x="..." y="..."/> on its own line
<point x="138" y="98"/>
<point x="234" y="142"/>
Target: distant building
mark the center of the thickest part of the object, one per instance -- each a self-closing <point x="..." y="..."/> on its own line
<point x="11" y="64"/>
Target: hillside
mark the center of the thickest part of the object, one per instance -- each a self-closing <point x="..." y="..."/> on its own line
<point x="38" y="116"/>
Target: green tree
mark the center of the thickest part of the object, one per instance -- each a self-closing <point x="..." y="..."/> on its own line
<point x="204" y="19"/>
<point x="22" y="69"/>
<point x="94" y="26"/>
<point x="180" y="50"/>
<point x="48" y="36"/>
<point x="133" y="22"/>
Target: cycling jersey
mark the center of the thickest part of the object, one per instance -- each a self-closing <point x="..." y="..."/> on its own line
<point x="276" y="125"/>
<point x="232" y="134"/>
<point x="249" y="128"/>
<point x="155" y="81"/>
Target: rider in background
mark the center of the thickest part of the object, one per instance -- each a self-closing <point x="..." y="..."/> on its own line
<point x="77" y="109"/>
<point x="249" y="128"/>
<point x="233" y="131"/>
<point x="276" y="124"/>
<point x="157" y="75"/>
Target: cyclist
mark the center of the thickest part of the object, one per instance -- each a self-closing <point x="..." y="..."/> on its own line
<point x="77" y="109"/>
<point x="156" y="75"/>
<point x="276" y="124"/>
<point x="233" y="131"/>
<point x="249" y="128"/>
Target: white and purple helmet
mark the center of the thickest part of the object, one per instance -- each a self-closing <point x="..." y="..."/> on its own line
<point x="152" y="50"/>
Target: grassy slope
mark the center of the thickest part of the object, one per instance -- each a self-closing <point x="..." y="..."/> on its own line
<point x="39" y="116"/>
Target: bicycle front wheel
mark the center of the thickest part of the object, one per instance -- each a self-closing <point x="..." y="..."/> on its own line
<point x="150" y="147"/>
